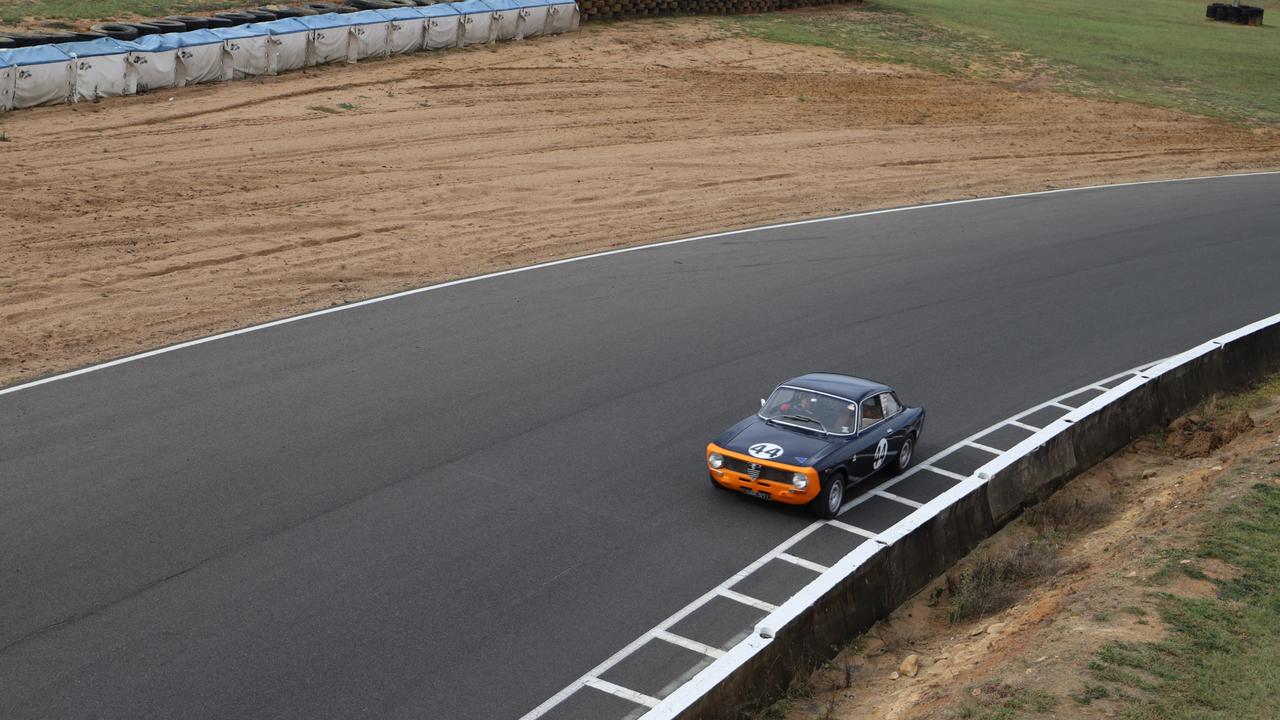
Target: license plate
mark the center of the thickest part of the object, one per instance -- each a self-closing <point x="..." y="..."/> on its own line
<point x="757" y="493"/>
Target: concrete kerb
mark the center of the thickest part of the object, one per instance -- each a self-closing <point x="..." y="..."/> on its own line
<point x="868" y="583"/>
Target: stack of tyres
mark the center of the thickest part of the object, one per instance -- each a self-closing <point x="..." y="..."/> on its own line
<point x="1238" y="14"/>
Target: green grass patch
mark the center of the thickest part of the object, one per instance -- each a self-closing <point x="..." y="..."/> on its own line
<point x="48" y="12"/>
<point x="1158" y="52"/>
<point x="1221" y="657"/>
<point x="1006" y="702"/>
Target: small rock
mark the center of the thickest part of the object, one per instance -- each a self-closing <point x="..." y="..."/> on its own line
<point x="1042" y="658"/>
<point x="977" y="631"/>
<point x="1148" y="474"/>
<point x="1184" y="562"/>
<point x="874" y="646"/>
<point x="976" y="692"/>
<point x="893" y="676"/>
<point x="1131" y="573"/>
<point x="1195" y="419"/>
<point x="994" y="628"/>
<point x="1179" y="424"/>
<point x="910" y="665"/>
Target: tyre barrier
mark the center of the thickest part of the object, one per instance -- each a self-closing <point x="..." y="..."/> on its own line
<point x="1238" y="14"/>
<point x="878" y="576"/>
<point x="118" y="31"/>
<point x="614" y="9"/>
<point x="127" y="58"/>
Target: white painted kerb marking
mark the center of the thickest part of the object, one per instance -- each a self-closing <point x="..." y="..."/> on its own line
<point x="592" y="256"/>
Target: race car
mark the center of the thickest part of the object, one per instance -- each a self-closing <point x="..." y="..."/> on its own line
<point x="816" y="435"/>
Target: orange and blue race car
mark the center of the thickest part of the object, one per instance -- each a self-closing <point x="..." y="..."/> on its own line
<point x="816" y="435"/>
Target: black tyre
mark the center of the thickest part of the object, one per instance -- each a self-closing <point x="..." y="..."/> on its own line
<point x="402" y="3"/>
<point x="161" y="26"/>
<point x="324" y="7"/>
<point x="192" y="22"/>
<point x="904" y="457"/>
<point x="238" y="18"/>
<point x="1211" y="10"/>
<point x="260" y="15"/>
<point x="119" y="31"/>
<point x="85" y="36"/>
<point x="6" y="42"/>
<point x="220" y="22"/>
<point x="288" y="11"/>
<point x="59" y="36"/>
<point x="370" y="4"/>
<point x="830" y="497"/>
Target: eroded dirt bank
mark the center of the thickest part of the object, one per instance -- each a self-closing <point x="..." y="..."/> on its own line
<point x="137" y="222"/>
<point x="1098" y="558"/>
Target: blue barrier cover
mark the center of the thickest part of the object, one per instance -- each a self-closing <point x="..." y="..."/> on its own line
<point x="365" y="17"/>
<point x="325" y="21"/>
<point x="283" y="26"/>
<point x="156" y="43"/>
<point x="36" y="55"/>
<point x="470" y="7"/>
<point x="94" y="48"/>
<point x="437" y="10"/>
<point x="238" y="31"/>
<point x="398" y="13"/>
<point x="500" y="5"/>
<point x="203" y="36"/>
<point x="4" y="59"/>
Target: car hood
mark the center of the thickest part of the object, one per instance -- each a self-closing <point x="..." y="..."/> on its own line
<point x="798" y="446"/>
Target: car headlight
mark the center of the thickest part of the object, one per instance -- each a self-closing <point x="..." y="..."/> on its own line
<point x="715" y="460"/>
<point x="800" y="480"/>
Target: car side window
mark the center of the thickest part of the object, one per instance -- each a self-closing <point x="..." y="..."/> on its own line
<point x="871" y="411"/>
<point x="890" y="404"/>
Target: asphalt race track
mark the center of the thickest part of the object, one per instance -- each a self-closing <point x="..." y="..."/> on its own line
<point x="451" y="505"/>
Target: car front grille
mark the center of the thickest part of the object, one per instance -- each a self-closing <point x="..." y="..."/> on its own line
<point x="757" y="471"/>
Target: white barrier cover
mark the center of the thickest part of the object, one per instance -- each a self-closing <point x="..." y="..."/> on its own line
<point x="153" y="61"/>
<point x="477" y="22"/>
<point x="533" y="17"/>
<point x="200" y="57"/>
<point x="444" y="26"/>
<point x="506" y="19"/>
<point x="43" y="75"/>
<point x="407" y="30"/>
<point x="100" y="68"/>
<point x="6" y="82"/>
<point x="288" y="43"/>
<point x="329" y="37"/>
<point x="245" y="51"/>
<point x="369" y="30"/>
<point x="562" y="17"/>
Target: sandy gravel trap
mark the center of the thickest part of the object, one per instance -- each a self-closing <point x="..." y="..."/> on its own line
<point x="141" y="221"/>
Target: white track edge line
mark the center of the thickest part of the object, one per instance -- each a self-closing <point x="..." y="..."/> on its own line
<point x="592" y="256"/>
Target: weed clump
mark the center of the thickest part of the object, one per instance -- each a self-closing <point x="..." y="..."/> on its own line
<point x="994" y="581"/>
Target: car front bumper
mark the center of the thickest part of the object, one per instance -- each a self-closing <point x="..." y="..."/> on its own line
<point x="764" y="489"/>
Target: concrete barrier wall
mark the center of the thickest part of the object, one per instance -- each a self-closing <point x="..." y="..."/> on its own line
<point x="880" y="575"/>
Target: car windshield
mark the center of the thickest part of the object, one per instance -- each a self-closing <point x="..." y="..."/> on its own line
<point x="791" y="405"/>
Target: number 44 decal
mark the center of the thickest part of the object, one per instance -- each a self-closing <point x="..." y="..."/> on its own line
<point x="882" y="452"/>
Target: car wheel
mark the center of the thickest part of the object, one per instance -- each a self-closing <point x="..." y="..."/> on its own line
<point x="905" y="454"/>
<point x="827" y="504"/>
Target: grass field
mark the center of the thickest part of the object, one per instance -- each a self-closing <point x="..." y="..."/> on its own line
<point x="1159" y="52"/>
<point x="1221" y="659"/>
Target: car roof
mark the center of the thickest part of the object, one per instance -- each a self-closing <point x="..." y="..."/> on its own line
<point x="845" y="386"/>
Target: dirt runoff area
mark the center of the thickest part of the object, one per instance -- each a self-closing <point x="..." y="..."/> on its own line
<point x="1079" y="576"/>
<point x="137" y="222"/>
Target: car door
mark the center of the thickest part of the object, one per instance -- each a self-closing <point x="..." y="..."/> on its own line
<point x="872" y="441"/>
<point x="895" y="431"/>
